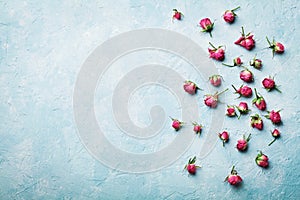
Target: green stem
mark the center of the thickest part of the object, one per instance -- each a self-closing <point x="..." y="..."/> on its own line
<point x="248" y="138"/>
<point x="256" y="93"/>
<point x="223" y="91"/>
<point x="272" y="142"/>
<point x="243" y="32"/>
<point x="228" y="65"/>
<point x="234" y="87"/>
<point x="269" y="41"/>
<point x="212" y="45"/>
<point x="276" y="88"/>
<point x="235" y="8"/>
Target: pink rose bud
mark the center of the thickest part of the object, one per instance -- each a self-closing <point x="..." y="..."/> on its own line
<point x="177" y="15"/>
<point x="244" y="91"/>
<point x="246" y="41"/>
<point x="276" y="134"/>
<point x="262" y="160"/>
<point x="206" y="25"/>
<point x="191" y="167"/>
<point x="197" y="128"/>
<point x="229" y="15"/>
<point x="242" y="144"/>
<point x="243" y="108"/>
<point x="256" y="122"/>
<point x="212" y="100"/>
<point x="216" y="53"/>
<point x="246" y="75"/>
<point x="176" y="124"/>
<point x="269" y="84"/>
<point x="224" y="136"/>
<point x="215" y="80"/>
<point x="190" y="87"/>
<point x="276" y="47"/>
<point x="259" y="101"/>
<point x="256" y="63"/>
<point x="274" y="117"/>
<point x="230" y="112"/>
<point x="233" y="178"/>
<point x="236" y="62"/>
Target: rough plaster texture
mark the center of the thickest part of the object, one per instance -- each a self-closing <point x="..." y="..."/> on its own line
<point x="42" y="47"/>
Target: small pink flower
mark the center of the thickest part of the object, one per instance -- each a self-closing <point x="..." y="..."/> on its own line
<point x="216" y="53"/>
<point x="233" y="178"/>
<point x="197" y="128"/>
<point x="246" y="75"/>
<point x="269" y="84"/>
<point x="206" y="25"/>
<point x="224" y="136"/>
<point x="215" y="80"/>
<point x="190" y="87"/>
<point x="230" y="112"/>
<point x="256" y="122"/>
<point x="276" y="47"/>
<point x="191" y="167"/>
<point x="246" y="41"/>
<point x="274" y="116"/>
<point x="262" y="160"/>
<point x="259" y="101"/>
<point x="229" y="15"/>
<point x="176" y="124"/>
<point x="177" y="15"/>
<point x="236" y="62"/>
<point x="244" y="91"/>
<point x="243" y="108"/>
<point x="276" y="134"/>
<point x="256" y="63"/>
<point x="242" y="144"/>
<point x="212" y="100"/>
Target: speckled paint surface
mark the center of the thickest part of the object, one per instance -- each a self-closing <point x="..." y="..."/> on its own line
<point x="43" y="45"/>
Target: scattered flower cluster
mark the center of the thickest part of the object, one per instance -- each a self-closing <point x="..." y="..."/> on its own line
<point x="246" y="40"/>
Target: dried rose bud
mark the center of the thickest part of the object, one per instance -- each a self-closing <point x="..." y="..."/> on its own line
<point x="256" y="122"/>
<point x="262" y="160"/>
<point x="216" y="53"/>
<point x="229" y="15"/>
<point x="274" y="116"/>
<point x="206" y="25"/>
<point x="233" y="178"/>
<point x="242" y="144"/>
<point x="259" y="101"/>
<point x="246" y="41"/>
<point x="224" y="136"/>
<point x="276" y="47"/>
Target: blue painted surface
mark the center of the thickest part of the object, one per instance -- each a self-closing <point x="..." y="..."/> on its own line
<point x="42" y="48"/>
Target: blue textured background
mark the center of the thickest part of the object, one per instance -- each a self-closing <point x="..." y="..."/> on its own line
<point x="42" y="47"/>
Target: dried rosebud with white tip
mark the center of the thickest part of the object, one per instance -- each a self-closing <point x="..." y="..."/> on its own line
<point x="262" y="160"/>
<point x="276" y="47"/>
<point x="256" y="122"/>
<point x="216" y="53"/>
<point x="215" y="80"/>
<point x="236" y="62"/>
<point x="230" y="112"/>
<point x="256" y="63"/>
<point x="276" y="134"/>
<point x="246" y="75"/>
<point x="246" y="41"/>
<point x="224" y="136"/>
